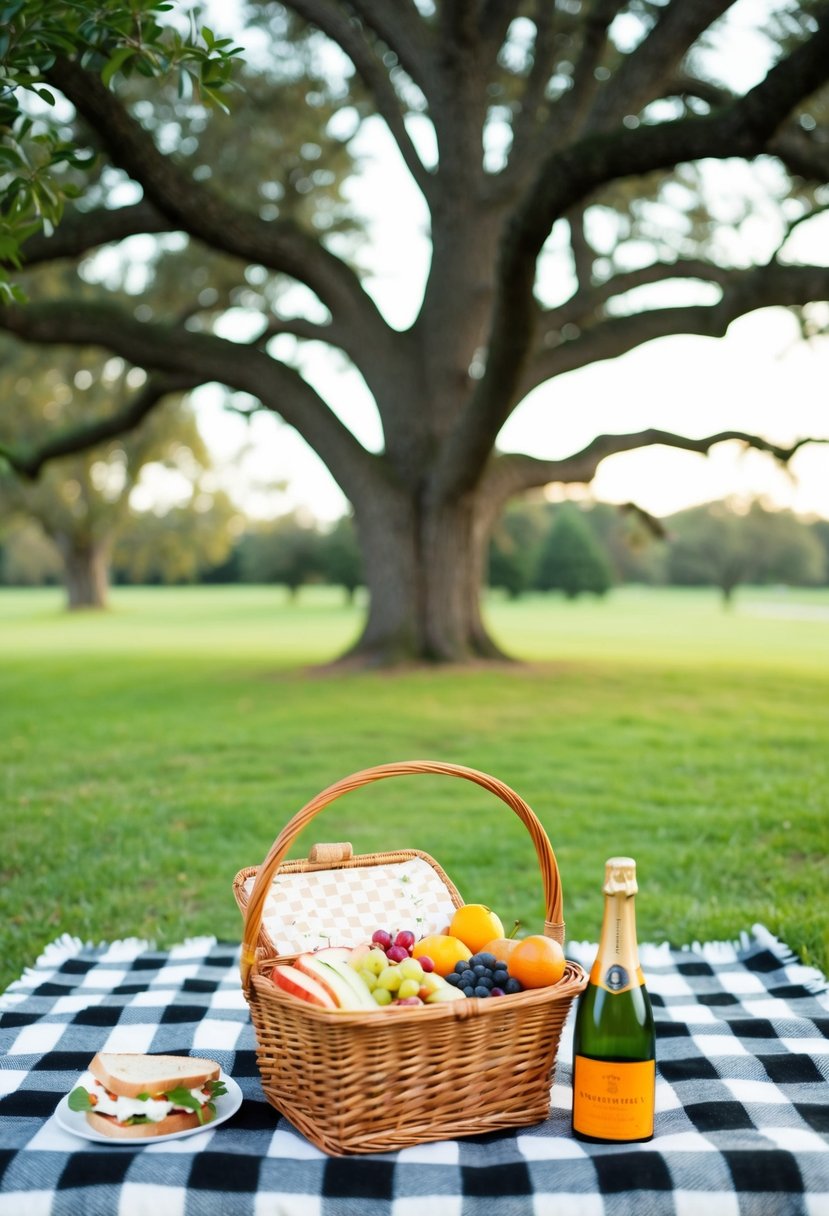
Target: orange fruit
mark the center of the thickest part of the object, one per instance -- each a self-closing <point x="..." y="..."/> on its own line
<point x="537" y="961"/>
<point x="475" y="925"/>
<point x="501" y="947"/>
<point x="444" y="951"/>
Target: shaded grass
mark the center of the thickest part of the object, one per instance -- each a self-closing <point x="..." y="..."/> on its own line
<point x="150" y="753"/>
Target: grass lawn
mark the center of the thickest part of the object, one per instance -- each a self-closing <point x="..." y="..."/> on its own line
<point x="148" y="753"/>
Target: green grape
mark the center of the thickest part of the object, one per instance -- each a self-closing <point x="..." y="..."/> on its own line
<point x="390" y="979"/>
<point x="411" y="969"/>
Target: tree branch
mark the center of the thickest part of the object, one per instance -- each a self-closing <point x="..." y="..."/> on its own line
<point x="190" y="206"/>
<point x="512" y="473"/>
<point x="494" y="19"/>
<point x="297" y="327"/>
<point x="570" y="175"/>
<point x="526" y="125"/>
<point x="684" y="85"/>
<point x="643" y="74"/>
<point x="201" y="358"/>
<point x="334" y="23"/>
<point x="743" y="292"/>
<point x="583" y="253"/>
<point x="404" y="31"/>
<point x="570" y="111"/>
<point x="584" y="303"/>
<point x="804" y="153"/>
<point x="80" y="231"/>
<point x="28" y="462"/>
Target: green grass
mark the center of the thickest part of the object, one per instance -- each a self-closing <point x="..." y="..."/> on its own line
<point x="148" y="753"/>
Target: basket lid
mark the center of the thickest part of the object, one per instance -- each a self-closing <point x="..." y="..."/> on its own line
<point x="342" y="900"/>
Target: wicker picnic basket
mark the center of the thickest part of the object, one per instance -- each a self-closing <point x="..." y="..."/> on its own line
<point x="365" y="1082"/>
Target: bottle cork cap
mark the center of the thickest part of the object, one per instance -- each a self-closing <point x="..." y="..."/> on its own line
<point x="620" y="876"/>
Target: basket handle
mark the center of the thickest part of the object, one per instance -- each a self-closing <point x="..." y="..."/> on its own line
<point x="554" y="924"/>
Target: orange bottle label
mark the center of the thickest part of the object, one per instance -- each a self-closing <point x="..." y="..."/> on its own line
<point x="613" y="1101"/>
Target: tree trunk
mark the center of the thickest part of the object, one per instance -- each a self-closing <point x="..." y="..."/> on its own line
<point x="423" y="570"/>
<point x="86" y="572"/>
<point x="727" y="590"/>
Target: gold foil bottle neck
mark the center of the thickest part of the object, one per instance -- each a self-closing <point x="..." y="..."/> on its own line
<point x="620" y="876"/>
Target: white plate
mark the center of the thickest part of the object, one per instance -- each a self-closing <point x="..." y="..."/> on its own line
<point x="74" y="1121"/>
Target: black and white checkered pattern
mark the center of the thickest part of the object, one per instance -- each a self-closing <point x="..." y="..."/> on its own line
<point x="742" y="1125"/>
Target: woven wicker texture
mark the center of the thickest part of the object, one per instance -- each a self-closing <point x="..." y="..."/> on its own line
<point x="356" y="1082"/>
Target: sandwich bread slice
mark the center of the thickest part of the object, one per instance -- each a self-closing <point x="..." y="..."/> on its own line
<point x="135" y="1097"/>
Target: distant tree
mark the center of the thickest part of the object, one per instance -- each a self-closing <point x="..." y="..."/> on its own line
<point x="286" y="551"/>
<point x="515" y="546"/>
<point x="820" y="529"/>
<point x="341" y="562"/>
<point x="27" y="556"/>
<point x="178" y="545"/>
<point x="82" y="502"/>
<point x="571" y="558"/>
<point x="718" y="545"/>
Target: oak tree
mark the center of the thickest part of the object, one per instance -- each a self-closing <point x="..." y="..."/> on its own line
<point x="549" y="141"/>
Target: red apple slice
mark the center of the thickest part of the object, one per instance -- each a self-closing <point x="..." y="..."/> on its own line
<point x="305" y="987"/>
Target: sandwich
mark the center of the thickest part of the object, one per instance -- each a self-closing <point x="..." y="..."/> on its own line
<point x="135" y="1097"/>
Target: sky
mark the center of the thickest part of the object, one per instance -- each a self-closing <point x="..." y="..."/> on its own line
<point x="761" y="378"/>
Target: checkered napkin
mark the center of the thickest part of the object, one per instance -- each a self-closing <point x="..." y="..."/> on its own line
<point x="742" y="1125"/>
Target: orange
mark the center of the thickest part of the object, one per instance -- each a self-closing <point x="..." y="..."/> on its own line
<point x="537" y="961"/>
<point x="475" y="925"/>
<point x="501" y="947"/>
<point x="443" y="950"/>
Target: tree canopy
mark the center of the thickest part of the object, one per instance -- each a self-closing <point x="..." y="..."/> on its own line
<point x="562" y="150"/>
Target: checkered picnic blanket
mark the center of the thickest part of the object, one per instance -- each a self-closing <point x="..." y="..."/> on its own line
<point x="742" y="1124"/>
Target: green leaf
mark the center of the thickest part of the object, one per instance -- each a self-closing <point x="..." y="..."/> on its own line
<point x="183" y="1097"/>
<point x="217" y="1088"/>
<point x="11" y="156"/>
<point x="79" y="1099"/>
<point x="115" y="63"/>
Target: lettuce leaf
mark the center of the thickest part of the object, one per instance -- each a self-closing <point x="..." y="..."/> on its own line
<point x="183" y="1097"/>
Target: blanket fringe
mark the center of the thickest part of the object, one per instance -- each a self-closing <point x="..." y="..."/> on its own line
<point x="719" y="952"/>
<point x="122" y="950"/>
<point x="654" y="954"/>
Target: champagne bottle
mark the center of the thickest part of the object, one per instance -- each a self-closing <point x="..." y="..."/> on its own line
<point x="614" y="1045"/>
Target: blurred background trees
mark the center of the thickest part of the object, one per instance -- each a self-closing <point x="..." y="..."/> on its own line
<point x="717" y="546"/>
<point x="571" y="558"/>
<point x="81" y="505"/>
<point x="568" y="548"/>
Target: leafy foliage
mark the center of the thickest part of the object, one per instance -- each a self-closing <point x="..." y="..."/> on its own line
<point x="113" y="38"/>
<point x="82" y="502"/>
<point x="717" y="545"/>
<point x="571" y="559"/>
